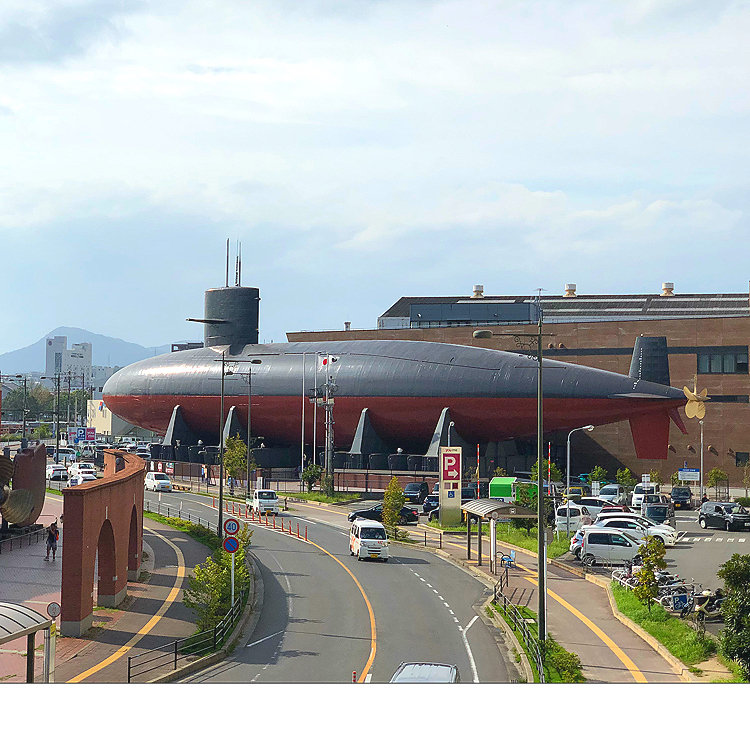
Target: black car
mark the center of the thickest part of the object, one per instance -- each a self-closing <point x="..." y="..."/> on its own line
<point x="729" y="516"/>
<point x="375" y="513"/>
<point x="430" y="503"/>
<point x="682" y="497"/>
<point x="416" y="492"/>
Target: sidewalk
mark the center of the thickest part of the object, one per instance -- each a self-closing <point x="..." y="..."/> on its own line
<point x="27" y="578"/>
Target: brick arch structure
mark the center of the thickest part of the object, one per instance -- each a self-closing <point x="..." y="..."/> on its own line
<point x="105" y="516"/>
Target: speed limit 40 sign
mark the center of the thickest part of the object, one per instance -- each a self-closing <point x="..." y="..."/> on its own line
<point x="231" y="526"/>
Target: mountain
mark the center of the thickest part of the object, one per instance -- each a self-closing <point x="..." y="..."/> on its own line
<point x="105" y="350"/>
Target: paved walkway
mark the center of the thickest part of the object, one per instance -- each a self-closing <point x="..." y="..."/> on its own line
<point x="101" y="656"/>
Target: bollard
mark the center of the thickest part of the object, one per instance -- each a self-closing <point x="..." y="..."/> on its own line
<point x="213" y="503"/>
<point x="354" y="676"/>
<point x="297" y="529"/>
<point x="305" y="533"/>
<point x="274" y="520"/>
<point x="290" y="527"/>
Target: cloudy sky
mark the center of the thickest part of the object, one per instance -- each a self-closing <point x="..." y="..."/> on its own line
<point x="362" y="151"/>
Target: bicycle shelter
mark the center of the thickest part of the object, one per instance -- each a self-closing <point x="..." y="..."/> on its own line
<point x="17" y="621"/>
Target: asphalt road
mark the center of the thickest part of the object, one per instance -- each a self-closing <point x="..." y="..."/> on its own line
<point x="316" y="624"/>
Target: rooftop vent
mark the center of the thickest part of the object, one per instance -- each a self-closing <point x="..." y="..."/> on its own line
<point x="478" y="291"/>
<point x="347" y="325"/>
<point x="570" y="290"/>
<point x="667" y="289"/>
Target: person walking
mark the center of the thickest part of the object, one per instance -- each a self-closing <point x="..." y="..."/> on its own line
<point x="53" y="534"/>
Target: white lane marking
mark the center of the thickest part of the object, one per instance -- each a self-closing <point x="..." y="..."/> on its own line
<point x="455" y="619"/>
<point x="247" y="645"/>
<point x="730" y="540"/>
<point x="445" y="604"/>
<point x="423" y="580"/>
<point x="304" y="520"/>
<point x="369" y="677"/>
<point x="440" y="597"/>
<point x="681" y="535"/>
<point x="720" y="539"/>
<point x="468" y="648"/>
<point x="740" y="540"/>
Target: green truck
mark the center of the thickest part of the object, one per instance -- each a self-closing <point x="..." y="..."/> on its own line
<point x="507" y="488"/>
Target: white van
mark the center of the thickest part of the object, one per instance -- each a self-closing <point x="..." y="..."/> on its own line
<point x="646" y="488"/>
<point x="614" y="493"/>
<point x="367" y="538"/>
<point x="569" y="517"/>
<point x="266" y="501"/>
<point x="608" y="546"/>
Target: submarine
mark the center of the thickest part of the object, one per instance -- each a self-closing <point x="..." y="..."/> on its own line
<point x="402" y="386"/>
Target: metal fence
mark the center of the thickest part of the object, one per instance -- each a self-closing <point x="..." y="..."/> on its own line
<point x="30" y="538"/>
<point x="519" y="624"/>
<point x="170" y="655"/>
<point x="164" y="509"/>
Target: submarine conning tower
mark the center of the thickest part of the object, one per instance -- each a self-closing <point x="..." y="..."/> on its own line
<point x="231" y="316"/>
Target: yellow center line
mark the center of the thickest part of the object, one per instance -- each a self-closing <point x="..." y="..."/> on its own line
<point x="151" y="623"/>
<point x="627" y="662"/>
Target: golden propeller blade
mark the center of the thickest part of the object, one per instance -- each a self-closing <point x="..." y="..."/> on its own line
<point x="690" y="395"/>
<point x="703" y="394"/>
<point x="691" y="409"/>
<point x="700" y="411"/>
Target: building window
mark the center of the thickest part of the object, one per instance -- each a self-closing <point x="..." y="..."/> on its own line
<point x="726" y="361"/>
<point x="741" y="459"/>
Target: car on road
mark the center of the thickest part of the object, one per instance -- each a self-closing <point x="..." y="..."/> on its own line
<point x="682" y="497"/>
<point x="65" y="455"/>
<point x="578" y="489"/>
<point x="157" y="481"/>
<point x="608" y="509"/>
<point x="368" y="539"/>
<point x="375" y="513"/>
<point x="57" y="473"/>
<point x="724" y="515"/>
<point x="416" y="492"/>
<point x="265" y="501"/>
<point x="79" y="466"/>
<point x="426" y="672"/>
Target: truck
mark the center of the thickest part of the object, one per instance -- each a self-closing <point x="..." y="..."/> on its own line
<point x="266" y="501"/>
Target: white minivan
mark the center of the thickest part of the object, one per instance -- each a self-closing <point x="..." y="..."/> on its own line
<point x="569" y="517"/>
<point x="646" y="488"/>
<point x="266" y="501"/>
<point x="367" y="539"/>
<point x="607" y="546"/>
<point x="614" y="493"/>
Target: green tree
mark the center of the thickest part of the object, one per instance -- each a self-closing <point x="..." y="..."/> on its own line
<point x="598" y="474"/>
<point x="652" y="554"/>
<point x="500" y="472"/>
<point x="311" y="474"/>
<point x="735" y="636"/>
<point x="393" y="501"/>
<point x="235" y="458"/>
<point x="716" y="477"/>
<point x="746" y="477"/>
<point x="555" y="472"/>
<point x="206" y="590"/>
<point x="655" y="476"/>
<point x="675" y="480"/>
<point x="625" y="477"/>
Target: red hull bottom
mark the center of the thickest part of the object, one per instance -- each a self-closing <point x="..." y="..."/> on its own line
<point x="405" y="421"/>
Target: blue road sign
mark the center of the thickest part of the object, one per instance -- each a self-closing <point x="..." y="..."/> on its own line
<point x="231" y="545"/>
<point x="679" y="602"/>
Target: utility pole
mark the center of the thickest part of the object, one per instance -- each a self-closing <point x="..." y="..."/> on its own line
<point x="23" y="430"/>
<point x="220" y="527"/>
<point x="541" y="537"/>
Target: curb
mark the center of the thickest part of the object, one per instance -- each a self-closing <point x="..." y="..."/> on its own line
<point x="490" y="622"/>
<point x="246" y="626"/>
<point x="677" y="666"/>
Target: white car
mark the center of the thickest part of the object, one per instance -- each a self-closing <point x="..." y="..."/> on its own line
<point x="57" y="473"/>
<point x="640" y="490"/>
<point x="614" y="493"/>
<point x="569" y="517"/>
<point x="79" y="466"/>
<point x="157" y="481"/>
<point x="636" y="527"/>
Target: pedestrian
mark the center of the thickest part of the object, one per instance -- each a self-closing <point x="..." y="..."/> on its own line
<point x="704" y="499"/>
<point x="53" y="534"/>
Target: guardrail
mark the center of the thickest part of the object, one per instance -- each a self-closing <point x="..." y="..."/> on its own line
<point x="163" y="509"/>
<point x="518" y="623"/>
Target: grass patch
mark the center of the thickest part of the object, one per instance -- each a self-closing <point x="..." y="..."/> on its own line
<point x="321" y="497"/>
<point x="517" y="537"/>
<point x="733" y="667"/>
<point x="678" y="637"/>
<point x="560" y="665"/>
<point x="53" y="491"/>
<point x="196" y="531"/>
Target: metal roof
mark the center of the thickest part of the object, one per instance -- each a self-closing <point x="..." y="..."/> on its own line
<point x="593" y="307"/>
<point x="16" y="621"/>
<point x="496" y="509"/>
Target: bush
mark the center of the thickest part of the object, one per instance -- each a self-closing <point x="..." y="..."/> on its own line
<point x="393" y="501"/>
<point x="310" y="475"/>
<point x="565" y="663"/>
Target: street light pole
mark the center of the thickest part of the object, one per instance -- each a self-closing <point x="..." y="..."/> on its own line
<point x="588" y="428"/>
<point x="220" y="527"/>
<point x="302" y="446"/>
<point x="450" y="427"/>
<point x="700" y="422"/>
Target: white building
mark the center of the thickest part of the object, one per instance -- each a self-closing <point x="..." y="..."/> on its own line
<point x="75" y="361"/>
<point x="108" y="424"/>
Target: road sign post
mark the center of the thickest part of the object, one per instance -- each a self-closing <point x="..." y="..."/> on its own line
<point x="231" y="544"/>
<point x="450" y="485"/>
